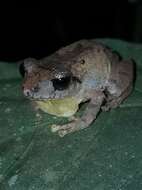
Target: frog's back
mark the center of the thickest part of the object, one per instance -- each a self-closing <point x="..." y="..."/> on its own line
<point x="88" y="60"/>
<point x="92" y="64"/>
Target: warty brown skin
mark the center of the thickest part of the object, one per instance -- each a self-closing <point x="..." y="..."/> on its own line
<point x="86" y="70"/>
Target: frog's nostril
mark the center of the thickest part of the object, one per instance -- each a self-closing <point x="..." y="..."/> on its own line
<point x="27" y="92"/>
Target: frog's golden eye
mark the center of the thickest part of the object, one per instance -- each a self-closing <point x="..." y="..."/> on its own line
<point x="61" y="83"/>
<point x="22" y="69"/>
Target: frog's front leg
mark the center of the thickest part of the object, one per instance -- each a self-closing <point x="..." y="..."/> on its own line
<point x="87" y="118"/>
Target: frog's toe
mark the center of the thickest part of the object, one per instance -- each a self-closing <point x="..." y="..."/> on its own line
<point x="62" y="132"/>
<point x="55" y="128"/>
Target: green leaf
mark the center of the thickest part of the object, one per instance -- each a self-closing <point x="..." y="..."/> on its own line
<point x="107" y="155"/>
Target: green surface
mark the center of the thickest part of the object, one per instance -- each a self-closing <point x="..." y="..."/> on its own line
<point x="106" y="156"/>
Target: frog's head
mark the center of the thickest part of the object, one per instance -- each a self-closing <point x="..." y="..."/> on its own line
<point x="44" y="81"/>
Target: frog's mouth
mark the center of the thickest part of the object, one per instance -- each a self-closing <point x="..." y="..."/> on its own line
<point x="65" y="107"/>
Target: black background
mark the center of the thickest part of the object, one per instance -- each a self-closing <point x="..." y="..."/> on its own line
<point x="37" y="29"/>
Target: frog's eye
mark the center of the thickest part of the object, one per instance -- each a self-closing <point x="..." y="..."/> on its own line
<point x="22" y="69"/>
<point x="61" y="83"/>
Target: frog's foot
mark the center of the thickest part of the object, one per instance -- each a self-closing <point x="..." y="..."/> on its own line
<point x="72" y="118"/>
<point x="55" y="128"/>
<point x="68" y="128"/>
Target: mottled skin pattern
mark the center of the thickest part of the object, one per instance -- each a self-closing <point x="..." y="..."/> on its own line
<point x="92" y="73"/>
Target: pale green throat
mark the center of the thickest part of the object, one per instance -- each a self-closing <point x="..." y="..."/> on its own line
<point x="62" y="108"/>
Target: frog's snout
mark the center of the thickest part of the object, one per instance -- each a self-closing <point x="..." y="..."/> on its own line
<point x="27" y="92"/>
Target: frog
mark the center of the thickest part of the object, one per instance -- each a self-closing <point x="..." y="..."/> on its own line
<point x="84" y="72"/>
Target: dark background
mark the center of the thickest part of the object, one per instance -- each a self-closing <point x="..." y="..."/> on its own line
<point x="38" y="29"/>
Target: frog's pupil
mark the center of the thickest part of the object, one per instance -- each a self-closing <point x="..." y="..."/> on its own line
<point x="61" y="83"/>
